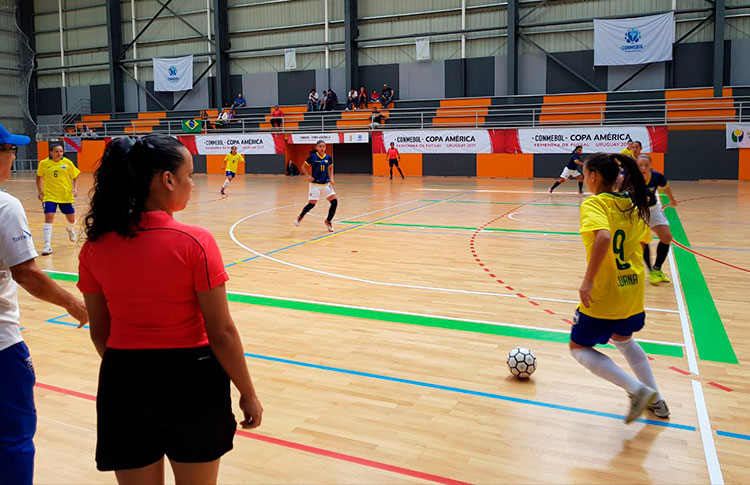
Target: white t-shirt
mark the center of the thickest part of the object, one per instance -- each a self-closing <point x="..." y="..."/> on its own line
<point x="16" y="247"/>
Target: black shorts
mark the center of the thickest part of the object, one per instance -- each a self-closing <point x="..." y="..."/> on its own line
<point x="392" y="162"/>
<point x="151" y="403"/>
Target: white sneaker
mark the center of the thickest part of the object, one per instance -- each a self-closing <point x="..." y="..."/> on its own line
<point x="297" y="221"/>
<point x="639" y="402"/>
<point x="72" y="234"/>
<point x="329" y="226"/>
<point x="46" y="251"/>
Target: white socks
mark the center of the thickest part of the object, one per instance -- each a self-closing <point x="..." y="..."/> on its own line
<point x="226" y="184"/>
<point x="602" y="366"/>
<point x="47" y="234"/>
<point x="638" y="361"/>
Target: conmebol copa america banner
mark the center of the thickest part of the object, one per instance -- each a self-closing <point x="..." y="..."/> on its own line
<point x="606" y="139"/>
<point x="638" y="40"/>
<point x="173" y="74"/>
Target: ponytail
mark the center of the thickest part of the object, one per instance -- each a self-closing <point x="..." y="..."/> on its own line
<point x="122" y="182"/>
<point x="610" y="166"/>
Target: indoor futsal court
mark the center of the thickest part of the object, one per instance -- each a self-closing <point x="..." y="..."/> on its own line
<point x="374" y="242"/>
<point x="379" y="350"/>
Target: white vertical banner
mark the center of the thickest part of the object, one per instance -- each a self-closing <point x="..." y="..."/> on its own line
<point x="423" y="48"/>
<point x="639" y="40"/>
<point x="290" y="59"/>
<point x="173" y="74"/>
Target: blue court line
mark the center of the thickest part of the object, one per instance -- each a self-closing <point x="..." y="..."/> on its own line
<point x="733" y="435"/>
<point x="482" y="234"/>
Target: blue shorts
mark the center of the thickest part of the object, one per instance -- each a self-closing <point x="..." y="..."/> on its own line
<point x="231" y="174"/>
<point x="51" y="208"/>
<point x="589" y="331"/>
<point x="18" y="422"/>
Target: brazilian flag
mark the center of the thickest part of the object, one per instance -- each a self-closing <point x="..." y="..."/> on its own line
<point x="192" y="126"/>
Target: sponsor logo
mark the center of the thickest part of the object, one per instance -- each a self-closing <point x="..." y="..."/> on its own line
<point x="172" y="74"/>
<point x="738" y="136"/>
<point x="23" y="237"/>
<point x="632" y="39"/>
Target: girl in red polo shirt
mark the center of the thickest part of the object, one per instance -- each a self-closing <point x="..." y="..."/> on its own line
<point x="155" y="291"/>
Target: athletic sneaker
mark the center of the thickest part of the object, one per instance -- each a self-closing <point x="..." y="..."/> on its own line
<point x="638" y="402"/>
<point x="297" y="221"/>
<point x="660" y="409"/>
<point x="580" y="192"/>
<point x="660" y="274"/>
<point x="46" y="251"/>
<point x="329" y="226"/>
<point x="549" y="190"/>
<point x="222" y="191"/>
<point x="72" y="234"/>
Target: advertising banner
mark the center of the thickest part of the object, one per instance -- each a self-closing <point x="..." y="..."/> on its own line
<point x="439" y="141"/>
<point x="290" y="59"/>
<point x="592" y="139"/>
<point x="246" y="143"/>
<point x="173" y="74"/>
<point x="329" y="138"/>
<point x="423" y="48"/>
<point x="738" y="136"/>
<point x="639" y="40"/>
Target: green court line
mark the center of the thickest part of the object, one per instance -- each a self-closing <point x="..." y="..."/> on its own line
<point x="424" y="321"/>
<point x="502" y="203"/>
<point x="524" y="231"/>
<point x="710" y="335"/>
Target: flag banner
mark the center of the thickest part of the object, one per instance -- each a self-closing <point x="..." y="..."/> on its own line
<point x="738" y="136"/>
<point x="290" y="59"/>
<point x="246" y="143"/>
<point x="439" y="141"/>
<point x="72" y="144"/>
<point x="423" y="48"/>
<point x="608" y="139"/>
<point x="192" y="126"/>
<point x="173" y="74"/>
<point x="639" y="40"/>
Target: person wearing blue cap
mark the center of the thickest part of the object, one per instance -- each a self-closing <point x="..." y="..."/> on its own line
<point x="18" y="267"/>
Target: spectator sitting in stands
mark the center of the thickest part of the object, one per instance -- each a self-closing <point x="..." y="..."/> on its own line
<point x="90" y="133"/>
<point x="291" y="169"/>
<point x="386" y="96"/>
<point x="223" y="118"/>
<point x="277" y="116"/>
<point x="312" y="101"/>
<point x="377" y="118"/>
<point x="362" y="98"/>
<point x="84" y="130"/>
<point x="323" y="99"/>
<point x="331" y="101"/>
<point x="239" y="101"/>
<point x="374" y="97"/>
<point x="351" y="99"/>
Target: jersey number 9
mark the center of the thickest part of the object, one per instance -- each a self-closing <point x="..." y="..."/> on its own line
<point x="618" y="247"/>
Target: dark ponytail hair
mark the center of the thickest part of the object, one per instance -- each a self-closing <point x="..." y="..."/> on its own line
<point x="609" y="166"/>
<point x="579" y="147"/>
<point x="123" y="181"/>
<point x="54" y="145"/>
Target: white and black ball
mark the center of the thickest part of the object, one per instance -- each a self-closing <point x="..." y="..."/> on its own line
<point x="521" y="362"/>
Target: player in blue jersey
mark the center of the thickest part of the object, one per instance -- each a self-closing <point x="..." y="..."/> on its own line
<point x="319" y="171"/>
<point x="658" y="222"/>
<point x="574" y="168"/>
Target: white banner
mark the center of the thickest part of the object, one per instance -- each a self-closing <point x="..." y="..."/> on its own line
<point x="356" y="137"/>
<point x="423" y="48"/>
<point x="439" y="141"/>
<point x="638" y="40"/>
<point x="246" y="143"/>
<point x="330" y="138"/>
<point x="173" y="74"/>
<point x="290" y="59"/>
<point x="738" y="136"/>
<point x="592" y="139"/>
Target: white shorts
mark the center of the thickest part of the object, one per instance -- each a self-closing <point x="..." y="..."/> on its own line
<point x="657" y="216"/>
<point x="569" y="173"/>
<point x="318" y="190"/>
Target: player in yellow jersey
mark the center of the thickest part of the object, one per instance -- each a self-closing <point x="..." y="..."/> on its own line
<point x="614" y="228"/>
<point x="231" y="161"/>
<point x="629" y="149"/>
<point x="57" y="184"/>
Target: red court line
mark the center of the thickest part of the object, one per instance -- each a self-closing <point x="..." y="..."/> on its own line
<point x="680" y="371"/>
<point x="300" y="447"/>
<point x="719" y="386"/>
<point x="709" y="257"/>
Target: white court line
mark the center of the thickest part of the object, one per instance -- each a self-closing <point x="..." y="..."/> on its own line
<point x="704" y="424"/>
<point x="427" y="315"/>
<point x="537" y="222"/>
<point x="490" y="191"/>
<point x="383" y="283"/>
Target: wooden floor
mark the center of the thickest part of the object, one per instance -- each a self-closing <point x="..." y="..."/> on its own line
<point x="379" y="350"/>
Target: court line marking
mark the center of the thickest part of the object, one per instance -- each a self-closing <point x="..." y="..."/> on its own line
<point x="704" y="423"/>
<point x="464" y="228"/>
<point x="298" y="446"/>
<point x="467" y="391"/>
<point x="503" y="203"/>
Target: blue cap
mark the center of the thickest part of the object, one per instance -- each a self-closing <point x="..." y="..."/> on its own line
<point x="9" y="138"/>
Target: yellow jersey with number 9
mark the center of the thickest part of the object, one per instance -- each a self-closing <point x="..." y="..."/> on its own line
<point x="619" y="284"/>
<point x="58" y="180"/>
<point x="233" y="161"/>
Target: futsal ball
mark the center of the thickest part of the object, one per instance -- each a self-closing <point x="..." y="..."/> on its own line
<point x="521" y="362"/>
